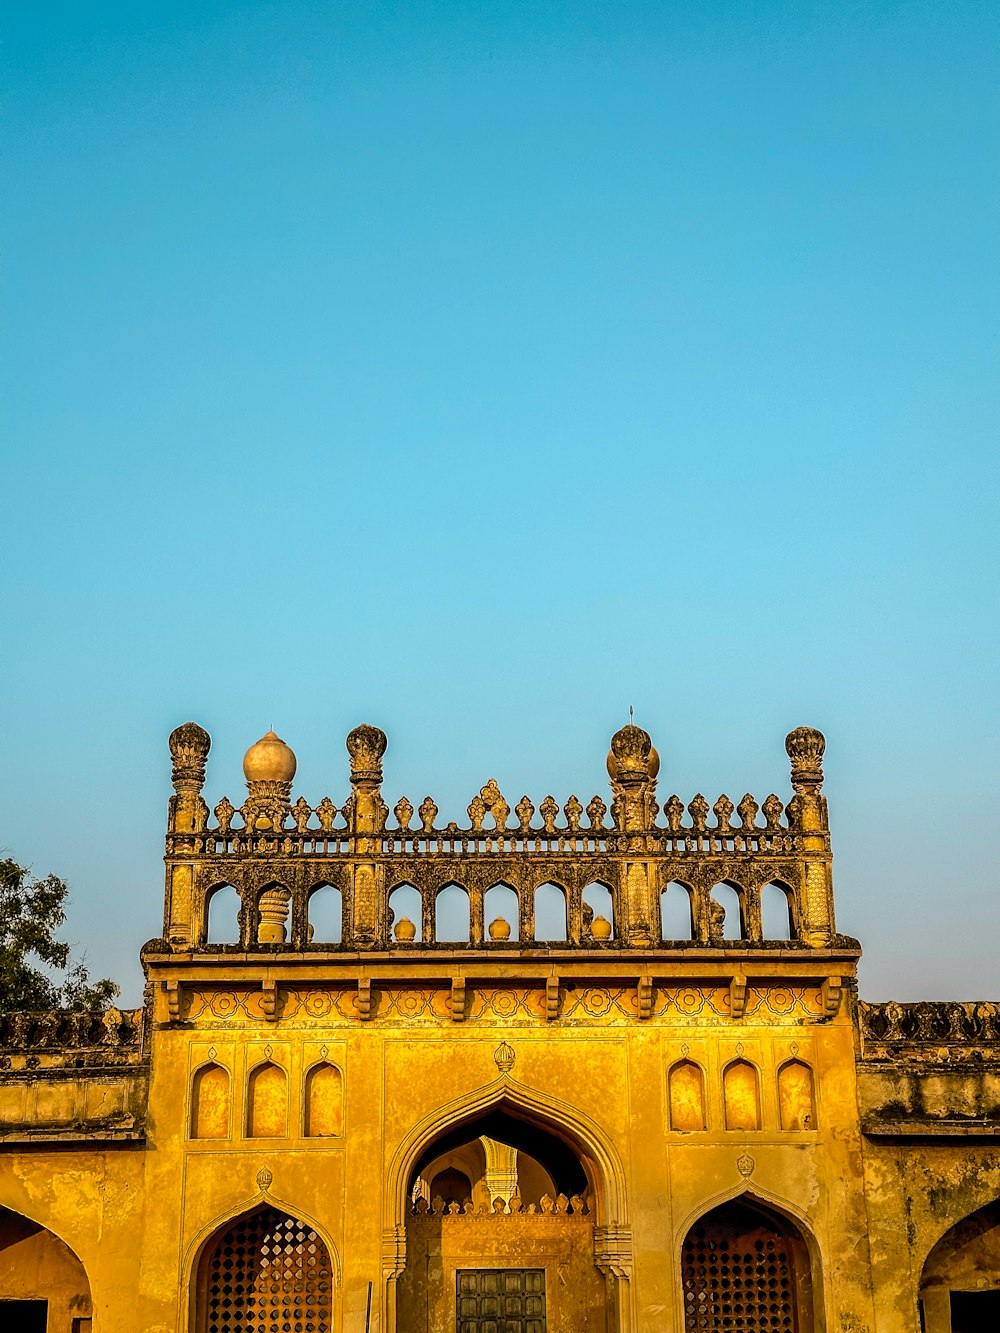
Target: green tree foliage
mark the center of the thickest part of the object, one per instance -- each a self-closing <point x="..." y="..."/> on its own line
<point x="31" y="912"/>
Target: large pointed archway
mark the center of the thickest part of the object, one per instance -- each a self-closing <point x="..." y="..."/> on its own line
<point x="960" y="1283"/>
<point x="43" y="1285"/>
<point x="568" y="1254"/>
<point x="266" y="1270"/>
<point x="746" y="1268"/>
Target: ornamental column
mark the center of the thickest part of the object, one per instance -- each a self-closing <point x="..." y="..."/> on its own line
<point x="633" y="764"/>
<point x="808" y="815"/>
<point x="366" y="815"/>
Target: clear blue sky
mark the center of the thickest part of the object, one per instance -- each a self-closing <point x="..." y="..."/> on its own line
<point x="481" y="369"/>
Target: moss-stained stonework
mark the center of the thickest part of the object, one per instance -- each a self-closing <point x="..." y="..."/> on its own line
<point x="418" y="1126"/>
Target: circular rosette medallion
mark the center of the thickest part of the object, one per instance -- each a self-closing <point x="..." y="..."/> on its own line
<point x="224" y="1004"/>
<point x="410" y="1003"/>
<point x="504" y="1003"/>
<point x="780" y="1001"/>
<point x="596" y="1002"/>
<point x="318" y="1004"/>
<point x="690" y="1001"/>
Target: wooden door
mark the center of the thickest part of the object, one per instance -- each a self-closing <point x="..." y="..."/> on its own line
<point x="500" y="1300"/>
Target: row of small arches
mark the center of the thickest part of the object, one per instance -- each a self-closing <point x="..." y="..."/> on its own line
<point x="741" y="1101"/>
<point x="452" y="915"/>
<point x="267" y="1113"/>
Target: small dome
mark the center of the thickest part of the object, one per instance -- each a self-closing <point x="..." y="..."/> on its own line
<point x="653" y="764"/>
<point x="270" y="760"/>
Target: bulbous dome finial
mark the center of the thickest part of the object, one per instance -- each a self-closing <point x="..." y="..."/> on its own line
<point x="269" y="760"/>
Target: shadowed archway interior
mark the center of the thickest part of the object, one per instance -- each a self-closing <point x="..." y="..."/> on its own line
<point x="504" y="1127"/>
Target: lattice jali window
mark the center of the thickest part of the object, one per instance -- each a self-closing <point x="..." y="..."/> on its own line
<point x="738" y="1280"/>
<point x="268" y="1273"/>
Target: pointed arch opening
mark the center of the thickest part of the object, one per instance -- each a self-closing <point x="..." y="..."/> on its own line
<point x="43" y="1283"/>
<point x="777" y="912"/>
<point x="960" y="1282"/>
<point x="730" y="900"/>
<point x="745" y="1266"/>
<point x="405" y="910"/>
<point x="500" y="910"/>
<point x="534" y="1191"/>
<point x="452" y="919"/>
<point x="326" y="914"/>
<point x="551" y="918"/>
<point x="676" y="912"/>
<point x="265" y="1270"/>
<point x="598" y="911"/>
<point x="222" y="915"/>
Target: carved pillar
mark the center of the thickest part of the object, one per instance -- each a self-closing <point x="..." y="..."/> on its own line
<point x="633" y="764"/>
<point x="187" y="816"/>
<point x="808" y="809"/>
<point x="367" y="813"/>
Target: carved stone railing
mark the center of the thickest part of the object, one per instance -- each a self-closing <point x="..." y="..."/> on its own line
<point x="560" y="1206"/>
<point x="931" y="1024"/>
<point x="276" y="852"/>
<point x="68" y="1036"/>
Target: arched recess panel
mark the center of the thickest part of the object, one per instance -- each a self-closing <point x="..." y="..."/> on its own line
<point x="776" y="913"/>
<point x="550" y="913"/>
<point x="729" y="900"/>
<point x="597" y="902"/>
<point x="686" y="1084"/>
<point x="36" y="1266"/>
<point x="210" y="1098"/>
<point x="746" y="1270"/>
<point x="675" y="912"/>
<point x="326" y="915"/>
<point x="741" y="1095"/>
<point x="267" y="1103"/>
<point x="501" y="902"/>
<point x="405" y="903"/>
<point x="222" y="916"/>
<point x="324" y="1108"/>
<point x="451" y="914"/>
<point x="450" y="1184"/>
<point x="796" y="1096"/>
<point x="267" y="1272"/>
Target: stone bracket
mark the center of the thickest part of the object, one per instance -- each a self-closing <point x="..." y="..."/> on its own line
<point x="644" y="998"/>
<point x="553" y="998"/>
<point x="738" y="996"/>
<point x="613" y="1251"/>
<point x="364" y="998"/>
<point x="393" y="1252"/>
<point x="173" y="993"/>
<point x="457" y="999"/>
<point x="269" y="1000"/>
<point x="831" y="990"/>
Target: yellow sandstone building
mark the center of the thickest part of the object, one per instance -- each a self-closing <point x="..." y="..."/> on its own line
<point x="565" y="1070"/>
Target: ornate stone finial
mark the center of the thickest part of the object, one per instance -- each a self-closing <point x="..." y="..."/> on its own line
<point x="805" y="747"/>
<point x="504" y="1057"/>
<point x="631" y="752"/>
<point x="366" y="745"/>
<point x="189" y="747"/>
